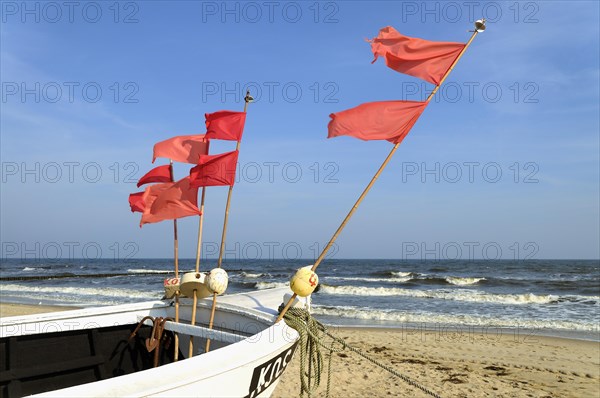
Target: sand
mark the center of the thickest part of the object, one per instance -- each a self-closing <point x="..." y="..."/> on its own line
<point x="470" y="363"/>
<point x="9" y="309"/>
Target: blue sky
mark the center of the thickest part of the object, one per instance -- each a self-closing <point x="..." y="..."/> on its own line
<point x="503" y="164"/>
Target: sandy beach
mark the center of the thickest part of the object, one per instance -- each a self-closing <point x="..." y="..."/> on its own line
<point x="10" y="309"/>
<point x="451" y="363"/>
<point x="459" y="365"/>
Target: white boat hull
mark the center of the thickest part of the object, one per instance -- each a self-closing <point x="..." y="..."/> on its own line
<point x="250" y="367"/>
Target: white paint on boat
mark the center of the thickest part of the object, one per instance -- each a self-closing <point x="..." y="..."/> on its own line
<point x="249" y="367"/>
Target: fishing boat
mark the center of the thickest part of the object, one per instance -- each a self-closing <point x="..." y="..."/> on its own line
<point x="95" y="352"/>
<point x="189" y="343"/>
<point x="161" y="348"/>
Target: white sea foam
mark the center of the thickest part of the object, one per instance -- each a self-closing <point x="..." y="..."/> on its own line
<point x="457" y="295"/>
<point x="455" y="280"/>
<point x="270" y="285"/>
<point x="147" y="271"/>
<point x="350" y="278"/>
<point x="400" y="277"/>
<point x="84" y="295"/>
<point x="251" y="275"/>
<point x="29" y="269"/>
<point x="449" y="319"/>
<point x="401" y="274"/>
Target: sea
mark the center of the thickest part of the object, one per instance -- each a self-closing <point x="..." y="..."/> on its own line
<point x="546" y="297"/>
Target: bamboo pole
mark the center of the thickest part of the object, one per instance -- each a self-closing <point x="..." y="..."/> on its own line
<point x="375" y="177"/>
<point x="247" y="100"/>
<point x="198" y="249"/>
<point x="176" y="259"/>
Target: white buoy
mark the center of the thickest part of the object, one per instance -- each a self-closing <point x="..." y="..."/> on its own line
<point x="217" y="280"/>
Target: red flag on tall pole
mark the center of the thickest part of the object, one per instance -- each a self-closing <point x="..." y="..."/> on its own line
<point x="136" y="202"/>
<point x="169" y="201"/>
<point x="157" y="174"/>
<point x="215" y="170"/>
<point x="225" y="125"/>
<point x="427" y="60"/>
<point x="384" y="120"/>
<point x="354" y="115"/>
<point x="183" y="148"/>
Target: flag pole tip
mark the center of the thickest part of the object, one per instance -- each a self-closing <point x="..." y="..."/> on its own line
<point x="248" y="97"/>
<point x="479" y="25"/>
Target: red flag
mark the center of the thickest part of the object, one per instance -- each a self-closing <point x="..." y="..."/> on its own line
<point x="214" y="170"/>
<point x="385" y="120"/>
<point x="225" y="125"/>
<point x="427" y="60"/>
<point x="157" y="174"/>
<point x="183" y="148"/>
<point x="169" y="201"/>
<point x="136" y="202"/>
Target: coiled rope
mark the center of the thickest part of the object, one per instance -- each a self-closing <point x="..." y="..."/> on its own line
<point x="312" y="335"/>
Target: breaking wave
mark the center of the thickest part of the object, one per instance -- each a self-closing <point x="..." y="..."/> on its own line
<point x="253" y="276"/>
<point x="454" y="280"/>
<point x="415" y="277"/>
<point x="358" y="279"/>
<point x="402" y="274"/>
<point x="148" y="271"/>
<point x="83" y="295"/>
<point x="270" y="285"/>
<point x="449" y="319"/>
<point x="457" y="295"/>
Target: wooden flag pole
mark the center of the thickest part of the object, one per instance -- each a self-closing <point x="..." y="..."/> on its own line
<point x="176" y="257"/>
<point x="375" y="177"/>
<point x="198" y="249"/>
<point x="195" y="302"/>
<point x="247" y="100"/>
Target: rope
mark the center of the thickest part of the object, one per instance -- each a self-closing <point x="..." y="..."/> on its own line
<point x="312" y="334"/>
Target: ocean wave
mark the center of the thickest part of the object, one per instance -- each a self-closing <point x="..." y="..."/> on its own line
<point x="270" y="285"/>
<point x="41" y="268"/>
<point x="359" y="279"/>
<point x="147" y="271"/>
<point x="401" y="277"/>
<point x="246" y="285"/>
<point x="580" y="299"/>
<point x="426" y="279"/>
<point x="402" y="274"/>
<point x="450" y="319"/>
<point x="455" y="280"/>
<point x="95" y="295"/>
<point x="245" y="274"/>
<point x="394" y="274"/>
<point x="456" y="295"/>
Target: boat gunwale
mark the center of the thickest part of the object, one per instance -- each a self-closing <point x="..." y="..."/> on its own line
<point x="124" y="309"/>
<point x="273" y="340"/>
